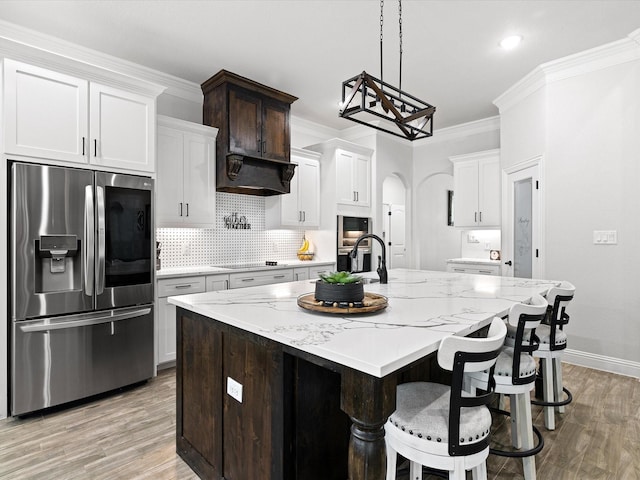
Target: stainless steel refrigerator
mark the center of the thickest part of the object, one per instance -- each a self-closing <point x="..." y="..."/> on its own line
<point x="82" y="266"/>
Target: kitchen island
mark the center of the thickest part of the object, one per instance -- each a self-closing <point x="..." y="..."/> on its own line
<point x="268" y="390"/>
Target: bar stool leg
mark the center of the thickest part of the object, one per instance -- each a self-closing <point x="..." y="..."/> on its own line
<point x="526" y="434"/>
<point x="516" y="438"/>
<point x="415" y="471"/>
<point x="557" y="380"/>
<point x="479" y="472"/>
<point x="549" y="418"/>
<point x="392" y="459"/>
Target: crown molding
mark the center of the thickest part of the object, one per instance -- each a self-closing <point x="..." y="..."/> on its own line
<point x="187" y="126"/>
<point x="309" y="127"/>
<point x="495" y="152"/>
<point x="304" y="153"/>
<point x="467" y="129"/>
<point x="592" y="60"/>
<point x="334" y="143"/>
<point x="48" y="51"/>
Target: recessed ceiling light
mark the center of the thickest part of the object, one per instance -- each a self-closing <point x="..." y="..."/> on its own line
<point x="511" y="42"/>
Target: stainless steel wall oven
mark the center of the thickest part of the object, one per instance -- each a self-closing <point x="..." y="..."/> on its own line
<point x="81" y="281"/>
<point x="349" y="230"/>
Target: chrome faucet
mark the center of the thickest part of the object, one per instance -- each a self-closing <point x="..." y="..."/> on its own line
<point x="382" y="261"/>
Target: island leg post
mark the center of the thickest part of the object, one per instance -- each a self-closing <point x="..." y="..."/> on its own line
<point x="368" y="401"/>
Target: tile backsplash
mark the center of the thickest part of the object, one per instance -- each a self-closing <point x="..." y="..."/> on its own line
<point x="478" y="243"/>
<point x="184" y="247"/>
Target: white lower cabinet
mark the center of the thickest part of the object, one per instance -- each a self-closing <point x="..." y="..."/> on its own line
<point x="250" y="279"/>
<point x="300" y="273"/>
<point x="315" y="271"/>
<point x="167" y="312"/>
<point x="170" y="287"/>
<point x="473" y="268"/>
<point x="217" y="282"/>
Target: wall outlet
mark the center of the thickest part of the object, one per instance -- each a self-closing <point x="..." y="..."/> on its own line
<point x="186" y="248"/>
<point x="605" y="237"/>
<point x="234" y="389"/>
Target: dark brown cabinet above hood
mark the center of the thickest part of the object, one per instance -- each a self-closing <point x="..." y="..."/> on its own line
<point x="254" y="139"/>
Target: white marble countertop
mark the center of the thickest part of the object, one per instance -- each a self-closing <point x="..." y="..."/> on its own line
<point x="474" y="261"/>
<point x="424" y="307"/>
<point x="213" y="269"/>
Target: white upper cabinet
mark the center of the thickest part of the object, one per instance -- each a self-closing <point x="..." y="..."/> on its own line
<point x="186" y="179"/>
<point x="301" y="207"/>
<point x="476" y="191"/>
<point x="121" y="129"/>
<point x="55" y="116"/>
<point x="45" y="113"/>
<point x="353" y="178"/>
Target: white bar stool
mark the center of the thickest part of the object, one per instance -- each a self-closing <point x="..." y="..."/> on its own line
<point x="553" y="342"/>
<point x="515" y="375"/>
<point x="444" y="427"/>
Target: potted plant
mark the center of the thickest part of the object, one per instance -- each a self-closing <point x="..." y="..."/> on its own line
<point x="339" y="288"/>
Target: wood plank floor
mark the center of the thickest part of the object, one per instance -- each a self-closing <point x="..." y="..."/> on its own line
<point x="131" y="435"/>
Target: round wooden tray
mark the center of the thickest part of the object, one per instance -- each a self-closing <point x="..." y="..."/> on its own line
<point x="372" y="302"/>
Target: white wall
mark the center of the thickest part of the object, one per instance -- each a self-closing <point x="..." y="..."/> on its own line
<point x="437" y="241"/>
<point x="523" y="130"/>
<point x="431" y="159"/>
<point x="584" y="119"/>
<point x="593" y="178"/>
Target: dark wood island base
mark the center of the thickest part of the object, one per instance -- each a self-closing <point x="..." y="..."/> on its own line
<point x="301" y="416"/>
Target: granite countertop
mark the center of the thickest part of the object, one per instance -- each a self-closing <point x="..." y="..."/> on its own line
<point x="424" y="307"/>
<point x="213" y="269"/>
<point x="474" y="261"/>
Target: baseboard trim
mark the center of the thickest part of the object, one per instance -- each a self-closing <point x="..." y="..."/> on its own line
<point x="601" y="362"/>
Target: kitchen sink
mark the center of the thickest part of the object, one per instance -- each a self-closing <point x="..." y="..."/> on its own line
<point x="370" y="280"/>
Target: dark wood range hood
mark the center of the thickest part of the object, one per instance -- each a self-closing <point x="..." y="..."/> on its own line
<point x="254" y="139"/>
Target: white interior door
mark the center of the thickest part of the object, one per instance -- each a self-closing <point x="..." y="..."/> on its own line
<point x="522" y="246"/>
<point x="397" y="234"/>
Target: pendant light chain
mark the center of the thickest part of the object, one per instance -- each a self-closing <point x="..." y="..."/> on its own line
<point x="400" y="25"/>
<point x="381" y="23"/>
<point x="371" y="102"/>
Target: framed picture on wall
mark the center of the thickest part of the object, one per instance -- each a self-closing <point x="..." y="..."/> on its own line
<point x="450" y="208"/>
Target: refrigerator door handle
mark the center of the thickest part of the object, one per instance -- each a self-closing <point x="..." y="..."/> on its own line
<point x="74" y="321"/>
<point x="100" y="266"/>
<point x="89" y="238"/>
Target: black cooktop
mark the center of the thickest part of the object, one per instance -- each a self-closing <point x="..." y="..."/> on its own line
<point x="238" y="266"/>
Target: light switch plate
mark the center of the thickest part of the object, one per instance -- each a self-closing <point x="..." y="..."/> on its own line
<point x="234" y="389"/>
<point x="605" y="237"/>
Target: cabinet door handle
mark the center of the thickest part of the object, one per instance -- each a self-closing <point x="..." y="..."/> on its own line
<point x="180" y="208"/>
<point x="259" y="141"/>
<point x="357" y="196"/>
<point x="475" y="216"/>
<point x="480" y="217"/>
<point x="304" y="216"/>
<point x="488" y="272"/>
<point x="179" y="287"/>
<point x="83" y="147"/>
<point x="187" y="210"/>
<point x="95" y="147"/>
<point x="264" y="147"/>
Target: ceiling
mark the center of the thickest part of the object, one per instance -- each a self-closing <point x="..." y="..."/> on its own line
<point x="451" y="56"/>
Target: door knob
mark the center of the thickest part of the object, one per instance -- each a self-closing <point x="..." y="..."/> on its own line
<point x="508" y="263"/>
